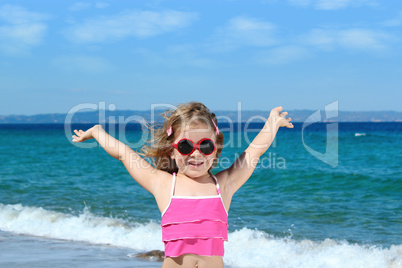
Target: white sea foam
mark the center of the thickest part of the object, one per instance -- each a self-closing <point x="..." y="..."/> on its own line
<point x="360" y="134"/>
<point x="253" y="248"/>
<point x="246" y="248"/>
<point x="85" y="227"/>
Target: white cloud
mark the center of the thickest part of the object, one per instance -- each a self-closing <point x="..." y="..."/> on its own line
<point x="303" y="3"/>
<point x="332" y="4"/>
<point x="101" y="5"/>
<point x="22" y="29"/>
<point x="179" y="56"/>
<point x="363" y="39"/>
<point x="244" y="31"/>
<point x="355" y="39"/>
<point x="283" y="55"/>
<point x="395" y="22"/>
<point x="78" y="6"/>
<point x="140" y="24"/>
<point x="86" y="64"/>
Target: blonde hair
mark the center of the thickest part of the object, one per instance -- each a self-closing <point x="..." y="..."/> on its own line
<point x="159" y="147"/>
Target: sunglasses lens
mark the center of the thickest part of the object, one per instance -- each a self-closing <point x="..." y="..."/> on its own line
<point x="185" y="147"/>
<point x="207" y="147"/>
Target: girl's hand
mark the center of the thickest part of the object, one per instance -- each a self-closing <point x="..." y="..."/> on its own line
<point x="84" y="135"/>
<point x="279" y="119"/>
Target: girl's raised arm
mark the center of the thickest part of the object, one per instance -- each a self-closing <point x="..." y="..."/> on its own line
<point x="146" y="175"/>
<point x="241" y="170"/>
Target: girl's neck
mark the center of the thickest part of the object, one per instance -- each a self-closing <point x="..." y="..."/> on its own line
<point x="201" y="179"/>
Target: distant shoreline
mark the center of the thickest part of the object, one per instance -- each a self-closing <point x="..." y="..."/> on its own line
<point x="221" y="125"/>
<point x="128" y="116"/>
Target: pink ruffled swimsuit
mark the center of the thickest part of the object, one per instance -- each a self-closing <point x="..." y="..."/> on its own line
<point x="194" y="224"/>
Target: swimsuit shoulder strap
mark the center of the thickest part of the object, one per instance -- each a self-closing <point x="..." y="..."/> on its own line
<point x="217" y="185"/>
<point x="171" y="193"/>
<point x="173" y="185"/>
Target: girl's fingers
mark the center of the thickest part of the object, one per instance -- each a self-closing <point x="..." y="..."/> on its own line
<point x="276" y="110"/>
<point x="78" y="133"/>
<point x="279" y="108"/>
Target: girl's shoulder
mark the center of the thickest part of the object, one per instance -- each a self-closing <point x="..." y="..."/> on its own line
<point x="221" y="176"/>
<point x="163" y="184"/>
<point x="165" y="177"/>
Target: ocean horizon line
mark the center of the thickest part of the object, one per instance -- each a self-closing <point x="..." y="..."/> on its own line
<point x="125" y="116"/>
<point x="214" y="111"/>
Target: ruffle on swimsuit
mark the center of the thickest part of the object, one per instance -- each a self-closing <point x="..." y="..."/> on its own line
<point x="194" y="224"/>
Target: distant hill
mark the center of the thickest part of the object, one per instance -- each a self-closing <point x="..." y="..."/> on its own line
<point x="224" y="116"/>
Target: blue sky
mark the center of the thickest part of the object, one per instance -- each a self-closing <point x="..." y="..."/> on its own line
<point x="301" y="54"/>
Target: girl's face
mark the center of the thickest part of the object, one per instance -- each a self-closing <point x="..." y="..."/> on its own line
<point x="195" y="164"/>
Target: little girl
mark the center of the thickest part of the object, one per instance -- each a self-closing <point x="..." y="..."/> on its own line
<point x="194" y="203"/>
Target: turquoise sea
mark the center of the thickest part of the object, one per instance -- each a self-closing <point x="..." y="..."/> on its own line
<point x="63" y="205"/>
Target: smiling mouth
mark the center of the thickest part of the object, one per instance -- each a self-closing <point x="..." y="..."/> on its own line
<point x="195" y="163"/>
